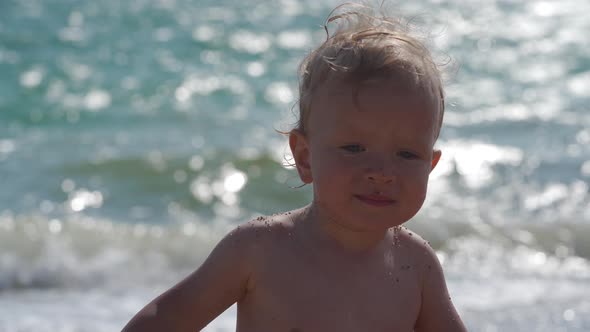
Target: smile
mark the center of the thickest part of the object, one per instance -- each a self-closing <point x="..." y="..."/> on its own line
<point x="375" y="200"/>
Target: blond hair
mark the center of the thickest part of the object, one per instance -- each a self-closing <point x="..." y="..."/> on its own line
<point x="366" y="48"/>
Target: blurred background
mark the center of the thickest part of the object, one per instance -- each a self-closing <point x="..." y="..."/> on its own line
<point x="134" y="134"/>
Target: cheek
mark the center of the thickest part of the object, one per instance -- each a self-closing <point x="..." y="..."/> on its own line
<point x="416" y="176"/>
<point x="333" y="174"/>
<point x="330" y="175"/>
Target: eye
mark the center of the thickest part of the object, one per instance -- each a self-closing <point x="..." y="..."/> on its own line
<point x="353" y="148"/>
<point x="408" y="155"/>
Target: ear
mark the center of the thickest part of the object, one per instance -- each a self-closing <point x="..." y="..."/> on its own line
<point x="300" y="150"/>
<point x="435" y="158"/>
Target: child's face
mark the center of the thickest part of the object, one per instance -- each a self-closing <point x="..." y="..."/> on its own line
<point x="369" y="159"/>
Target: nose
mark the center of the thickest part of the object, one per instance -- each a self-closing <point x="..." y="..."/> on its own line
<point x="380" y="177"/>
<point x="381" y="172"/>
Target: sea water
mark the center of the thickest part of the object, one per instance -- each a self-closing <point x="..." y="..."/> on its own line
<point x="134" y="134"/>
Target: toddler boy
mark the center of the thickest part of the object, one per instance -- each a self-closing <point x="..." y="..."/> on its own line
<point x="371" y="108"/>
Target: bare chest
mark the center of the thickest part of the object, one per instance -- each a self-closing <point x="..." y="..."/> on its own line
<point x="298" y="295"/>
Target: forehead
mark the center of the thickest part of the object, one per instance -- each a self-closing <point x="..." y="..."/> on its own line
<point x="341" y="100"/>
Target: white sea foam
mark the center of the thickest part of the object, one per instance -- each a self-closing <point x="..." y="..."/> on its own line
<point x="250" y="42"/>
<point x="279" y="92"/>
<point x="97" y="99"/>
<point x="294" y="39"/>
<point x="474" y="160"/>
<point x="32" y="78"/>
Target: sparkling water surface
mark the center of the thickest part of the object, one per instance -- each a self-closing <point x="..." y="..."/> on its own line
<point x="134" y="134"/>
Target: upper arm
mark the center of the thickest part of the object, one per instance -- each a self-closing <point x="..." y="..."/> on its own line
<point x="437" y="312"/>
<point x="192" y="303"/>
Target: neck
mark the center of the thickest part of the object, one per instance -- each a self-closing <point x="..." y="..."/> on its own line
<point x="328" y="232"/>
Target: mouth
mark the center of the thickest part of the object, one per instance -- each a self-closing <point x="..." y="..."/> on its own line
<point x="375" y="200"/>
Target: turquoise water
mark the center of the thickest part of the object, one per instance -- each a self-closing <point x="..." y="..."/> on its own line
<point x="134" y="134"/>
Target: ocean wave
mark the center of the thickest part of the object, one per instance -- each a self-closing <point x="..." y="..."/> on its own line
<point x="38" y="253"/>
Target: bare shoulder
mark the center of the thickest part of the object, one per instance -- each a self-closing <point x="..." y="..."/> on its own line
<point x="410" y="237"/>
<point x="262" y="233"/>
<point x="418" y="249"/>
<point x="419" y="253"/>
